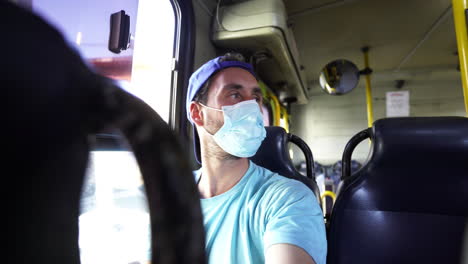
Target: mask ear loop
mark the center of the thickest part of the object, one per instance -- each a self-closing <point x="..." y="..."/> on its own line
<point x="219" y="110"/>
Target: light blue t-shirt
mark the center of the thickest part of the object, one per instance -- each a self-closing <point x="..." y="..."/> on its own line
<point x="261" y="210"/>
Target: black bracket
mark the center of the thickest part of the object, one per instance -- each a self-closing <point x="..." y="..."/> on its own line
<point x="365" y="71"/>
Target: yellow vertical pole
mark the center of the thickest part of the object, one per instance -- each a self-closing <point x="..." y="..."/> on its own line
<point x="274" y="103"/>
<point x="277" y="111"/>
<point x="285" y="117"/>
<point x="370" y="115"/>
<point x="459" y="15"/>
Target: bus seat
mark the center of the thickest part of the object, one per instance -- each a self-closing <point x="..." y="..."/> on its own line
<point x="276" y="141"/>
<point x="409" y="202"/>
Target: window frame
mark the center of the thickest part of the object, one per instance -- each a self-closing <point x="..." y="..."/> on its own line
<point x="183" y="57"/>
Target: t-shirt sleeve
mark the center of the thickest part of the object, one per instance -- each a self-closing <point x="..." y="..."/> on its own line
<point x="294" y="217"/>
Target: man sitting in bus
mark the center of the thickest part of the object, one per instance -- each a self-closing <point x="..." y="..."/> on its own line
<point x="251" y="215"/>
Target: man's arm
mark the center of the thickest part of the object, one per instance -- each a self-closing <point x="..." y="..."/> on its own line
<point x="287" y="254"/>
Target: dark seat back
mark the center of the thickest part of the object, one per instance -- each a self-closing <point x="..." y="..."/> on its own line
<point x="54" y="103"/>
<point x="273" y="154"/>
<point x="409" y="203"/>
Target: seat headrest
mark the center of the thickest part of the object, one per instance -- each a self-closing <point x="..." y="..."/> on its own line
<point x="427" y="154"/>
<point x="420" y="136"/>
<point x="273" y="154"/>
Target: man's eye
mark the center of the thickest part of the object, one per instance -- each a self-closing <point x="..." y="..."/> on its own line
<point x="258" y="98"/>
<point x="235" y="95"/>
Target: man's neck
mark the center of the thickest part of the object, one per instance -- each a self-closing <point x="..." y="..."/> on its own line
<point x="219" y="176"/>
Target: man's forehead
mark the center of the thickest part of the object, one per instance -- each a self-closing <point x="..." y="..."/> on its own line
<point x="235" y="73"/>
<point x="234" y="78"/>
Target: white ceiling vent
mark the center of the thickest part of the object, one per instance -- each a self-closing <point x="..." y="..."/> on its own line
<point x="259" y="26"/>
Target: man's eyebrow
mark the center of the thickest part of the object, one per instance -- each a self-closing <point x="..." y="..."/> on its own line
<point x="232" y="86"/>
<point x="257" y="90"/>
<point x="236" y="86"/>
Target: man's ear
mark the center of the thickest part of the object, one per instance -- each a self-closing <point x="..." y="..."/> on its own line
<point x="196" y="113"/>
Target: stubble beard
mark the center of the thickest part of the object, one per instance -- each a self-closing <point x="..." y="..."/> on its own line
<point x="212" y="148"/>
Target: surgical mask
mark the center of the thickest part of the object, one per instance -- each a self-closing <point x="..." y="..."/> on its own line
<point x="243" y="130"/>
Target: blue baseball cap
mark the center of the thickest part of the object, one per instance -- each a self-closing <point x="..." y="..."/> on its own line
<point x="198" y="79"/>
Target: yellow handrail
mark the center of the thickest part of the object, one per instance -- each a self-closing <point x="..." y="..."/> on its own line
<point x="277" y="109"/>
<point x="329" y="194"/>
<point x="459" y="7"/>
<point x="370" y="115"/>
<point x="264" y="89"/>
<point x="271" y="98"/>
<point x="285" y="118"/>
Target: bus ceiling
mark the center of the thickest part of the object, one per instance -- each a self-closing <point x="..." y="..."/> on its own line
<point x="290" y="42"/>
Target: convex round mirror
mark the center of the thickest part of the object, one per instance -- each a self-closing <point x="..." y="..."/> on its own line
<point x="339" y="77"/>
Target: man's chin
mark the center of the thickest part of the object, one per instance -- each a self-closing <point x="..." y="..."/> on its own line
<point x="227" y="156"/>
<point x="218" y="153"/>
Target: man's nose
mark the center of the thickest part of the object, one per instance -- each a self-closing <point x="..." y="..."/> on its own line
<point x="253" y="97"/>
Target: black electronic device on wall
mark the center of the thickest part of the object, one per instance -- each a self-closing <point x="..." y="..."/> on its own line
<point x="119" y="37"/>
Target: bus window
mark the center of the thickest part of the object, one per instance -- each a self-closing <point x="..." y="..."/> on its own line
<point x="152" y="58"/>
<point x="144" y="69"/>
<point x="114" y="219"/>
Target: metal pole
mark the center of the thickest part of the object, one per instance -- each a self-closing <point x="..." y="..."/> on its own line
<point x="370" y="115"/>
<point x="459" y="15"/>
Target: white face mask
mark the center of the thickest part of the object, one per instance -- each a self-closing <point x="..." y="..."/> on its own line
<point x="243" y="130"/>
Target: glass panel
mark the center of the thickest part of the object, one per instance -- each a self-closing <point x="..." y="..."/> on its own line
<point x="152" y="61"/>
<point x="114" y="220"/>
<point x="145" y="68"/>
<point x="85" y="24"/>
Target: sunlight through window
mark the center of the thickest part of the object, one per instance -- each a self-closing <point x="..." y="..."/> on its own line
<point x="152" y="57"/>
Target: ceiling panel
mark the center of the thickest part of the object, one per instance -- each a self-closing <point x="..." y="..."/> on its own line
<point x="439" y="49"/>
<point x="392" y="28"/>
<point x="298" y="6"/>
